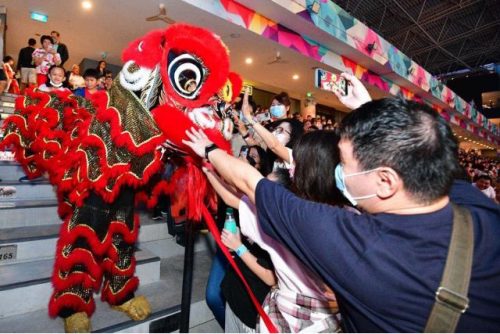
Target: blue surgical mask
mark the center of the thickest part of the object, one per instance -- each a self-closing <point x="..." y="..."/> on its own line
<point x="277" y="111"/>
<point x="340" y="182"/>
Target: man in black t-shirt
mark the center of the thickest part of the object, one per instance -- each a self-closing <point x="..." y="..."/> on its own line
<point x="26" y="66"/>
<point x="399" y="163"/>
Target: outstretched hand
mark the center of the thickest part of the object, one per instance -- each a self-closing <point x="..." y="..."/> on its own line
<point x="198" y="141"/>
<point x="357" y="94"/>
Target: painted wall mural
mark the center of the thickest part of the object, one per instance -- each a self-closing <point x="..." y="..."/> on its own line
<point x="339" y="24"/>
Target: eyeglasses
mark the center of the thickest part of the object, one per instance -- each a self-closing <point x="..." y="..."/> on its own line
<point x="280" y="130"/>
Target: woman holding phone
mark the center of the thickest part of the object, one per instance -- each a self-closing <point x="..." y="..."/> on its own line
<point x="44" y="58"/>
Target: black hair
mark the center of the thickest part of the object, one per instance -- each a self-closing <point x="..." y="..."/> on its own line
<point x="484" y="177"/>
<point x="409" y="137"/>
<point x="316" y="155"/>
<point x="7" y="59"/>
<point x="91" y="72"/>
<point x="55" y="32"/>
<point x="265" y="165"/>
<point x="296" y="126"/>
<point x="283" y="98"/>
<point x="44" y="37"/>
<point x="65" y="82"/>
<point x="282" y="176"/>
<point x="31" y="41"/>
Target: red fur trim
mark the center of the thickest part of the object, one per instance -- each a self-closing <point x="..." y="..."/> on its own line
<point x="75" y="279"/>
<point x="174" y="123"/>
<point x="117" y="299"/>
<point x="110" y="267"/>
<point x="237" y="85"/>
<point x="68" y="237"/>
<point x="151" y="46"/>
<point x="72" y="302"/>
<point x="76" y="257"/>
<point x="205" y="45"/>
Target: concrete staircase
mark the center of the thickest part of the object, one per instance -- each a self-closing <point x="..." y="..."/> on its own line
<point x="29" y="228"/>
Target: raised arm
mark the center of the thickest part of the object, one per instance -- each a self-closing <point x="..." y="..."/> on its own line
<point x="268" y="138"/>
<point x="357" y="94"/>
<point x="223" y="189"/>
<point x="236" y="172"/>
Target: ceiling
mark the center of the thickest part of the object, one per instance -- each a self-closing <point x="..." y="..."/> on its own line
<point x="110" y="25"/>
<point x="441" y="35"/>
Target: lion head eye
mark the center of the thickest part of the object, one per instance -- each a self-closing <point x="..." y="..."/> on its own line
<point x="186" y="74"/>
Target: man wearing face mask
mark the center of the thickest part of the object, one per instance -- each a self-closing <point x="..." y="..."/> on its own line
<point x="399" y="162"/>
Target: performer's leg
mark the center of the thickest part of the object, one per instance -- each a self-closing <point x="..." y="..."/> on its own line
<point x="119" y="260"/>
<point x="77" y="272"/>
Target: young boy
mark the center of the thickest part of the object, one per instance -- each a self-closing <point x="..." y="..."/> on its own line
<point x="91" y="77"/>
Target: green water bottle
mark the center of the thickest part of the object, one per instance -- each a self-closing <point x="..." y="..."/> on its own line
<point x="230" y="223"/>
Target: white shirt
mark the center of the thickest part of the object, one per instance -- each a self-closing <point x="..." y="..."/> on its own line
<point x="489" y="192"/>
<point x="291" y="273"/>
<point x="278" y="163"/>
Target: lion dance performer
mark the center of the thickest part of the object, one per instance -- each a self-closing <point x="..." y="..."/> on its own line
<point x="101" y="153"/>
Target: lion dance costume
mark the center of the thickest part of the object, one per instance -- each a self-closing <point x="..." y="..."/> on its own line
<point x="102" y="153"/>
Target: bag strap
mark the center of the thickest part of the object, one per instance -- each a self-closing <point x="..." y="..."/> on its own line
<point x="451" y="296"/>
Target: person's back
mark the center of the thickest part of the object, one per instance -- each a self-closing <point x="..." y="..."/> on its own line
<point x="25" y="64"/>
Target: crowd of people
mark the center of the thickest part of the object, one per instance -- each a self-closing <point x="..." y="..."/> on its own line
<point x="363" y="228"/>
<point x="43" y="67"/>
<point x="341" y="226"/>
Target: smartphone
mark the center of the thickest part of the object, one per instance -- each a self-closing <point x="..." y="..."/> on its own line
<point x="329" y="81"/>
<point x="263" y="117"/>
<point x="244" y="151"/>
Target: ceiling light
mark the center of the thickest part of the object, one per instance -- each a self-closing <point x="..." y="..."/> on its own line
<point x="86" y="5"/>
<point x="248" y="60"/>
<point x="295" y="77"/>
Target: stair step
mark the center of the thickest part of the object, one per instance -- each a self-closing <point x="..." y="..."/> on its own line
<point x="11" y="170"/>
<point x="18" y="213"/>
<point x="8" y="97"/>
<point x="38" y="242"/>
<point x="28" y="213"/>
<point x="107" y="320"/>
<point x="28" y="191"/>
<point x="33" y="279"/>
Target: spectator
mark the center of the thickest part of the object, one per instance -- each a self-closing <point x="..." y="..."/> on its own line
<point x="483" y="183"/>
<point x="3" y="80"/>
<point x="280" y="106"/>
<point x="399" y="160"/>
<point x="44" y="58"/>
<point x="91" y="83"/>
<point x="233" y="291"/>
<point x="101" y="68"/>
<point x="280" y="142"/>
<point x="74" y="78"/>
<point x="12" y="84"/>
<point x="307" y="125"/>
<point x="60" y="48"/>
<point x="108" y="80"/>
<point x="26" y="65"/>
<point x="56" y="80"/>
